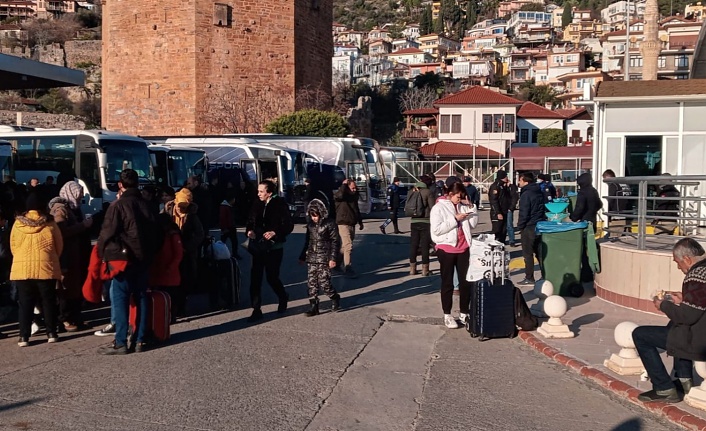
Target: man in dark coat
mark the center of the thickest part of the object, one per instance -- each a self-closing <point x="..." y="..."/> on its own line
<point x="347" y="217"/>
<point x="588" y="201"/>
<point x="500" y="201"/>
<point x="393" y="205"/>
<point x="682" y="338"/>
<point x="531" y="212"/>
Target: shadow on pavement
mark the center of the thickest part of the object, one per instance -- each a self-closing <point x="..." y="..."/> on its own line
<point x="576" y="325"/>
<point x="18" y="404"/>
<point x="629" y="425"/>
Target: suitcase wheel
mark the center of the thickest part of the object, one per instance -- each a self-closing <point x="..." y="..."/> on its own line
<point x="483" y="339"/>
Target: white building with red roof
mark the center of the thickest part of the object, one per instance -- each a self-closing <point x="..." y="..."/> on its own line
<point x="531" y="118"/>
<point x="410" y="56"/>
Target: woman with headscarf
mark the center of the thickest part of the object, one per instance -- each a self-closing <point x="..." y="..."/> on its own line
<point x="66" y="210"/>
<point x="183" y="211"/>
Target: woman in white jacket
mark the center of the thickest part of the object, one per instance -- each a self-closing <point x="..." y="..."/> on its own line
<point x="451" y="224"/>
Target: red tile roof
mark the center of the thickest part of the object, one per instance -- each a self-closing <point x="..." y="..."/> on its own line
<point x="532" y="110"/>
<point x="408" y="51"/>
<point x="457" y="149"/>
<point x="571" y="113"/>
<point x="477" y="95"/>
<point x="421" y="111"/>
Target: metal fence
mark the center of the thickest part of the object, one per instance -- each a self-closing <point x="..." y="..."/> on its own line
<point x="649" y="217"/>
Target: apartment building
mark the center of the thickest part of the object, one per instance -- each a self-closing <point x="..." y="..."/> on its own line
<point x="379" y="47"/>
<point x="584" y="24"/>
<point x="580" y="86"/>
<point x="410" y="56"/>
<point x="403" y="43"/>
<point x="437" y="45"/>
<point x="615" y="16"/>
<point x="509" y="7"/>
<point x="19" y="9"/>
<point x="488" y="27"/>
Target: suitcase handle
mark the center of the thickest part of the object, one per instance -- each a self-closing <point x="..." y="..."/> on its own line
<point x="493" y="247"/>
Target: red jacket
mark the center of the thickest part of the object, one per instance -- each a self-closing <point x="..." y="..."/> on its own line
<point x="164" y="271"/>
<point x="98" y="273"/>
<point x="225" y="219"/>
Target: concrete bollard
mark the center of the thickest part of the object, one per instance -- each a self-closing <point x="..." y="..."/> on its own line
<point x="697" y="395"/>
<point x="555" y="307"/>
<point x="542" y="290"/>
<point x="627" y="362"/>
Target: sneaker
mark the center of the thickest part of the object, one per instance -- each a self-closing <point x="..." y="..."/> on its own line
<point x="256" y="315"/>
<point x="382" y="230"/>
<point x="108" y="330"/>
<point x="23" y="342"/>
<point x="463" y="317"/>
<point x="35" y="329"/>
<point x="113" y="349"/>
<point x="526" y="282"/>
<point x="450" y="322"/>
<point x="140" y="347"/>
<point x="70" y="327"/>
<point x="52" y="337"/>
<point x="686" y="385"/>
<point x="282" y="307"/>
<point x="667" y="396"/>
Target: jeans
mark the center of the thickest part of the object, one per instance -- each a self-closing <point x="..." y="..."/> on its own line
<point x="530" y="248"/>
<point x="29" y="293"/>
<point x="647" y="340"/>
<point x="130" y="284"/>
<point x="420" y="239"/>
<point x="269" y="262"/>
<point x="510" y="227"/>
<point x="449" y="263"/>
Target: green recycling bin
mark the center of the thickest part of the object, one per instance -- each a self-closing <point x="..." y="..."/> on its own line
<point x="561" y="251"/>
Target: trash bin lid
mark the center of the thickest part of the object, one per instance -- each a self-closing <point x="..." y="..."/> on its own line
<point x="555" y="227"/>
<point x="556" y="207"/>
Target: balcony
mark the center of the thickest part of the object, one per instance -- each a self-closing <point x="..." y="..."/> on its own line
<point x="418" y="135"/>
<point x="520" y="64"/>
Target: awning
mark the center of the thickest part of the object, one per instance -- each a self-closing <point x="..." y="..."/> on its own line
<point x="20" y="73"/>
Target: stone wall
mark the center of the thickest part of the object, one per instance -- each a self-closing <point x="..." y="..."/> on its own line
<point x="43" y="120"/>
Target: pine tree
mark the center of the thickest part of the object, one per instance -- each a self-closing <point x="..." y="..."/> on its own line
<point x="439" y="25"/>
<point x="425" y="24"/>
<point x="471" y="14"/>
<point x="567" y="15"/>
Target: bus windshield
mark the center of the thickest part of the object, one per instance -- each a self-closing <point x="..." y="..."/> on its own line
<point x="184" y="164"/>
<point x="126" y="154"/>
<point x="373" y="165"/>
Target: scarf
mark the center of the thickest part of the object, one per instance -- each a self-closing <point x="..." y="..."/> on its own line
<point x="72" y="192"/>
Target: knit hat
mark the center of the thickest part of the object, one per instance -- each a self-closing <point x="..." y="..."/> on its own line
<point x="184" y="196"/>
<point x="501" y="175"/>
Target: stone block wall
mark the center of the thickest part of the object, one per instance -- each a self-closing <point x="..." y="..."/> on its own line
<point x="43" y="120"/>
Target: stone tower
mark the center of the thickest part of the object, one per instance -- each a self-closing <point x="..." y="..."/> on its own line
<point x="177" y="67"/>
<point x="650" y="46"/>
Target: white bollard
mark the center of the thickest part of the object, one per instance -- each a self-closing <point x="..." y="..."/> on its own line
<point x="697" y="395"/>
<point x="627" y="362"/>
<point x="555" y="307"/>
<point x="542" y="290"/>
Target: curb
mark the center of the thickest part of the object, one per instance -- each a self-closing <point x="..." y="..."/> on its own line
<point x="669" y="411"/>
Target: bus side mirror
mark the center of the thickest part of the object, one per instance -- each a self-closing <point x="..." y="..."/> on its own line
<point x="153" y="159"/>
<point x="102" y="160"/>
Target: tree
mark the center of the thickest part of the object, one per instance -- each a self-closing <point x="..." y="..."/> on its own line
<point x="43" y="32"/>
<point x="471" y="13"/>
<point x="429" y="80"/>
<point x="532" y="7"/>
<point x="309" y="122"/>
<point x="539" y="94"/>
<point x="56" y="102"/>
<point x="248" y="111"/>
<point x="417" y="98"/>
<point x="439" y="25"/>
<point x="567" y="16"/>
<point x="425" y="23"/>
<point x="551" y="138"/>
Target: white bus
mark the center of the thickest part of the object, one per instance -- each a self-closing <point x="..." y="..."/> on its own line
<point x="401" y="162"/>
<point x="174" y="165"/>
<point x="95" y="157"/>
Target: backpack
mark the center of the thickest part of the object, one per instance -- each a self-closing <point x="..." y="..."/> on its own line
<point x="414" y="207"/>
<point x="524" y="320"/>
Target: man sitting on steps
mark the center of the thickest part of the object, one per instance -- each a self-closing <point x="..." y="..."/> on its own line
<point x="682" y="338"/>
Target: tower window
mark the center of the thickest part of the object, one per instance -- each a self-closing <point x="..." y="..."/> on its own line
<point x="222" y="15"/>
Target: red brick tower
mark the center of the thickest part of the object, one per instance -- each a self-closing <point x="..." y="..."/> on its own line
<point x="176" y="67"/>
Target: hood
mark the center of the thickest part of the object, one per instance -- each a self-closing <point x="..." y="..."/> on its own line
<point x="319" y="207"/>
<point x="57" y="201"/>
<point x="72" y="192"/>
<point x="31" y="222"/>
<point x="420" y="185"/>
<point x="584" y="180"/>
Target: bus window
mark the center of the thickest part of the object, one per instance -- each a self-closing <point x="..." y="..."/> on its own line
<point x="248" y="167"/>
<point x="357" y="172"/>
<point x="88" y="165"/>
<point x="50" y="156"/>
<point x="268" y="170"/>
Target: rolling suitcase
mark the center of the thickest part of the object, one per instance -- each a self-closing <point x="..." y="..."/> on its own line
<point x="492" y="310"/>
<point x="226" y="292"/>
<point x="159" y="306"/>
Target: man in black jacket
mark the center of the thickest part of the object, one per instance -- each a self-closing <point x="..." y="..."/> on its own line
<point x="347" y="216"/>
<point x="129" y="233"/>
<point x="682" y="338"/>
<point x="500" y="201"/>
<point x="393" y="205"/>
<point x="531" y="212"/>
<point x="269" y="224"/>
<point x="588" y="201"/>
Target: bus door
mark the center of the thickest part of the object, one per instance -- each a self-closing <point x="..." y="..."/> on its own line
<point x="89" y="174"/>
<point x="357" y="171"/>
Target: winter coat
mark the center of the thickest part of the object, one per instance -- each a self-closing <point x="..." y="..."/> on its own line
<point x="428" y="198"/>
<point x="347" y="211"/>
<point x="531" y="206"/>
<point x="164" y="271"/>
<point x="36" y="245"/>
<point x="473" y="194"/>
<point x="271" y="216"/>
<point x="129" y="230"/>
<point x="192" y="232"/>
<point x="588" y="201"/>
<point x="77" y="243"/>
<point x="393" y="197"/>
<point x="444" y="227"/>
<point x="322" y="242"/>
<point x="514" y="195"/>
<point x="667" y="208"/>
<point x="226" y="219"/>
<point x="687" y="321"/>
<point x="500" y="199"/>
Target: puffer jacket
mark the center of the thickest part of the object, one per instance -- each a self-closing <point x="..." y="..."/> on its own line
<point x="322" y="241"/>
<point x="444" y="227"/>
<point x="36" y="245"/>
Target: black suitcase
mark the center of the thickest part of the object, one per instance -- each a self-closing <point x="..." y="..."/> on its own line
<point x="227" y="289"/>
<point x="492" y="310"/>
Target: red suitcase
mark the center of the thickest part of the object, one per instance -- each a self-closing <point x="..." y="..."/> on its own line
<point x="159" y="306"/>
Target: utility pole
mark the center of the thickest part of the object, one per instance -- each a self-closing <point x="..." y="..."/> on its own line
<point x="626" y="61"/>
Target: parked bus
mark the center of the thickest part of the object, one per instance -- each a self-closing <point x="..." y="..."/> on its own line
<point x="95" y="157"/>
<point x="239" y="160"/>
<point x="174" y="165"/>
<point x="356" y="158"/>
<point x="403" y="163"/>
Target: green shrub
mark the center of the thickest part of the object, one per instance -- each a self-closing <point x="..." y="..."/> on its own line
<point x="551" y="138"/>
<point x="309" y="122"/>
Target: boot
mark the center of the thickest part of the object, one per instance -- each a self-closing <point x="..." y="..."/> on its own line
<point x="425" y="269"/>
<point x="413" y="268"/>
<point x="314" y="310"/>
<point x="335" y="302"/>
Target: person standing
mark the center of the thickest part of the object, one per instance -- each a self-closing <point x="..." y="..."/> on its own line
<point x="515" y="195"/>
<point x="420" y="239"/>
<point x="682" y="337"/>
<point x="500" y="200"/>
<point x="347" y="217"/>
<point x="129" y="233"/>
<point x="588" y="201"/>
<point x="531" y="212"/>
<point x="393" y="205"/>
<point x="319" y="252"/>
<point x="269" y="223"/>
<point x="451" y="225"/>
<point x="202" y="198"/>
<point x="547" y="188"/>
<point x="472" y="192"/>
<point x="36" y="244"/>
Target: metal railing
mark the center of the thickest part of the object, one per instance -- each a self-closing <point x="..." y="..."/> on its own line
<point x="649" y="216"/>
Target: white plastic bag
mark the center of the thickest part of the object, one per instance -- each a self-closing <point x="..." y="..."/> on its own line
<point x="482" y="262"/>
<point x="220" y="250"/>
